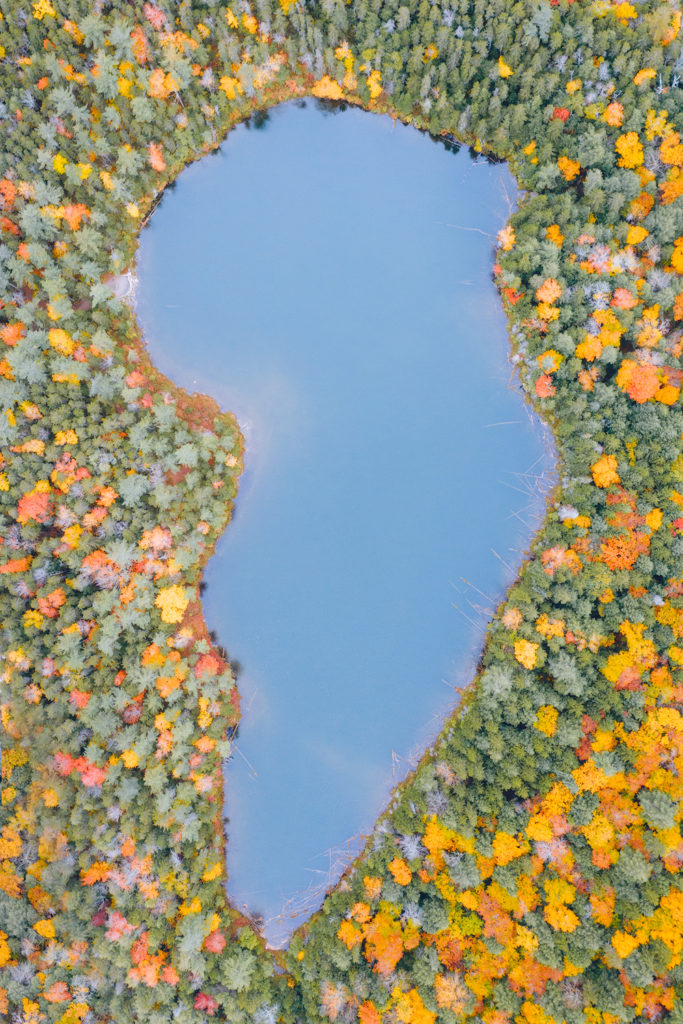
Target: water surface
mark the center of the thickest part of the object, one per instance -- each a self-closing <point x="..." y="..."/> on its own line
<point x="328" y="279"/>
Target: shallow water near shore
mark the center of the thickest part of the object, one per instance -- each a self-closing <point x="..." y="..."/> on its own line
<point x="328" y="278"/>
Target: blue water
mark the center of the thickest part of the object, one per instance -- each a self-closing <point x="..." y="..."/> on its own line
<point x="328" y="279"/>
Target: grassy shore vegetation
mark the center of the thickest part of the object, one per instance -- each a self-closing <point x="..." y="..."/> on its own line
<point x="529" y="871"/>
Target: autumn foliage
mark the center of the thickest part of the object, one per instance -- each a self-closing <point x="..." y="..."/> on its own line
<point x="529" y="871"/>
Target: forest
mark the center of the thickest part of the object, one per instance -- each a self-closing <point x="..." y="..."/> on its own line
<point x="529" y="870"/>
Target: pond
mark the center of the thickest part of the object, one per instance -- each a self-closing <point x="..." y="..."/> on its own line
<point x="328" y="278"/>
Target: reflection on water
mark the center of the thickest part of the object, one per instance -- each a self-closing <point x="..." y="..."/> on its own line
<point x="393" y="474"/>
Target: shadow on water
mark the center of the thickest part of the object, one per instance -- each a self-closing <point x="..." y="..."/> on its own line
<point x="446" y="141"/>
<point x="257" y="121"/>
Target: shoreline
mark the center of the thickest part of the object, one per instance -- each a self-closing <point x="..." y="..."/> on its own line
<point x="202" y="406"/>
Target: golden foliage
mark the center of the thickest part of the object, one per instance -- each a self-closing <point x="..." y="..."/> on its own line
<point x="677" y="256"/>
<point x="327" y="89"/>
<point x="614" y="114"/>
<point x="161" y="84"/>
<point x="400" y="871"/>
<point x="375" y="84"/>
<point x="546" y="720"/>
<point x="636" y="234"/>
<point x="506" y="238"/>
<point x="671" y="150"/>
<point x="549" y="291"/>
<point x="568" y="168"/>
<point x="630" y="150"/>
<point x="172" y="601"/>
<point x="553" y="234"/>
<point x="604" y="471"/>
<point x="525" y="653"/>
<point x="45" y="929"/>
<point x="61" y="341"/>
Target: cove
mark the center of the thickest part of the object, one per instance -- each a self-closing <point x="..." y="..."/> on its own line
<point x="328" y="278"/>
